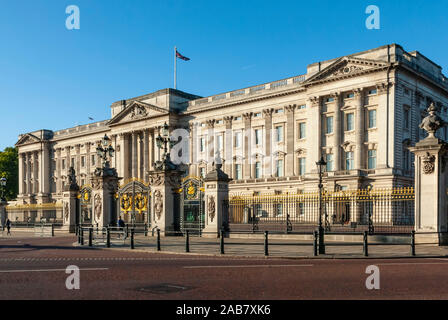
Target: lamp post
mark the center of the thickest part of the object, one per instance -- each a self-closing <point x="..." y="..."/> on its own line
<point x="3" y="186"/>
<point x="162" y="141"/>
<point x="105" y="151"/>
<point x="320" y="167"/>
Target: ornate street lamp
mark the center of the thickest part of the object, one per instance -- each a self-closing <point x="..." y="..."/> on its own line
<point x="162" y="141"/>
<point x="320" y="168"/>
<point x="3" y="186"/>
<point x="105" y="151"/>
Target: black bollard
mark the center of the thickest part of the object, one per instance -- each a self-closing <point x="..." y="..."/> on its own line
<point x="82" y="236"/>
<point x="365" y="244"/>
<point x="52" y="230"/>
<point x="413" y="243"/>
<point x="316" y="236"/>
<point x="146" y="230"/>
<point x="108" y="237"/>
<point x="158" y="240"/>
<point x="266" y="244"/>
<point x="221" y="245"/>
<point x="90" y="236"/>
<point x="187" y="241"/>
<point x="132" y="238"/>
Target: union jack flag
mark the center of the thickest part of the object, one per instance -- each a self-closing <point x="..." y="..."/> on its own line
<point x="178" y="55"/>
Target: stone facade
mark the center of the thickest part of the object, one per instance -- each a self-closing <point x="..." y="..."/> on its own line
<point x="361" y="112"/>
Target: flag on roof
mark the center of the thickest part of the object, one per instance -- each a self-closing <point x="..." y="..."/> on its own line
<point x="178" y="55"/>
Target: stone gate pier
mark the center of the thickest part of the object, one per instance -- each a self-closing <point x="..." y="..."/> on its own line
<point x="431" y="183"/>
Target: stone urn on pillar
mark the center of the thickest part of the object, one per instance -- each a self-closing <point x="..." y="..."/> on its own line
<point x="165" y="182"/>
<point x="70" y="203"/>
<point x="216" y="196"/>
<point x="104" y="182"/>
<point x="431" y="183"/>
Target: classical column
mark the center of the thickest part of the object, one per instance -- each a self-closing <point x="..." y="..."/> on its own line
<point x="21" y="173"/>
<point x="337" y="128"/>
<point x="88" y="161"/>
<point x="314" y="132"/>
<point x="359" y="129"/>
<point x="151" y="149"/>
<point x="29" y="185"/>
<point x="36" y="172"/>
<point x="247" y="173"/>
<point x="290" y="140"/>
<point x="146" y="166"/>
<point x="46" y="164"/>
<point x="58" y="171"/>
<point x="228" y="145"/>
<point x="268" y="141"/>
<point x="139" y="155"/>
<point x="134" y="155"/>
<point x="193" y="156"/>
<point x="211" y="143"/>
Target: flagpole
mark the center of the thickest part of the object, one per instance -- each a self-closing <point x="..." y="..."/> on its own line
<point x="175" y="68"/>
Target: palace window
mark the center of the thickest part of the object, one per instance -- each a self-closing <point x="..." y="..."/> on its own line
<point x="329" y="160"/>
<point x="257" y="170"/>
<point x="371" y="159"/>
<point x="373" y="91"/>
<point x="350" y="95"/>
<point x="202" y="145"/>
<point x="303" y="106"/>
<point x="238" y="172"/>
<point x="406" y="116"/>
<point x="219" y="142"/>
<point x="372" y="118"/>
<point x="302" y="166"/>
<point x="93" y="160"/>
<point x="302" y="130"/>
<point x="257" y="115"/>
<point x="63" y="164"/>
<point x="202" y="172"/>
<point x="279" y="167"/>
<point x="83" y="161"/>
<point x="329" y="100"/>
<point x="279" y="134"/>
<point x="237" y="139"/>
<point x="279" y="111"/>
<point x="258" y="137"/>
<point x="329" y="125"/>
<point x="349" y="163"/>
<point x="350" y="121"/>
<point x="72" y="163"/>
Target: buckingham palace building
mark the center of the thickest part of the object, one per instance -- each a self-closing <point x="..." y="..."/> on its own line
<point x="360" y="112"/>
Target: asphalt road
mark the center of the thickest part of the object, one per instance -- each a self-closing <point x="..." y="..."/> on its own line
<point x="34" y="268"/>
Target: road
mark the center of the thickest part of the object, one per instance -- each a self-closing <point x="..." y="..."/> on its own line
<point x="34" y="268"/>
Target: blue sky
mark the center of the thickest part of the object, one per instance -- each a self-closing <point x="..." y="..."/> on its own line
<point x="54" y="78"/>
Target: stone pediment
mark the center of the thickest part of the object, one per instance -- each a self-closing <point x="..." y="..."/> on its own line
<point x="137" y="110"/>
<point x="27" y="139"/>
<point x="346" y="67"/>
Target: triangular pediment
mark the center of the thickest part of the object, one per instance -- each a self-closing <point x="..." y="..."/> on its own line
<point x="138" y="110"/>
<point x="346" y="67"/>
<point x="27" y="139"/>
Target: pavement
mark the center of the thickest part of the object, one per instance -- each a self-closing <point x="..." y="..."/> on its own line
<point x="35" y="268"/>
<point x="277" y="248"/>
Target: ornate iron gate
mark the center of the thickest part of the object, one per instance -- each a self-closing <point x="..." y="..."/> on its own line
<point x="134" y="202"/>
<point x="85" y="216"/>
<point x="192" y="217"/>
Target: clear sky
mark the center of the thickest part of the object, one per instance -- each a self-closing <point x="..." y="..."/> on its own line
<point x="55" y="78"/>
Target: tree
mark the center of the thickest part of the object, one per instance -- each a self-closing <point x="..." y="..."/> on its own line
<point x="9" y="169"/>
